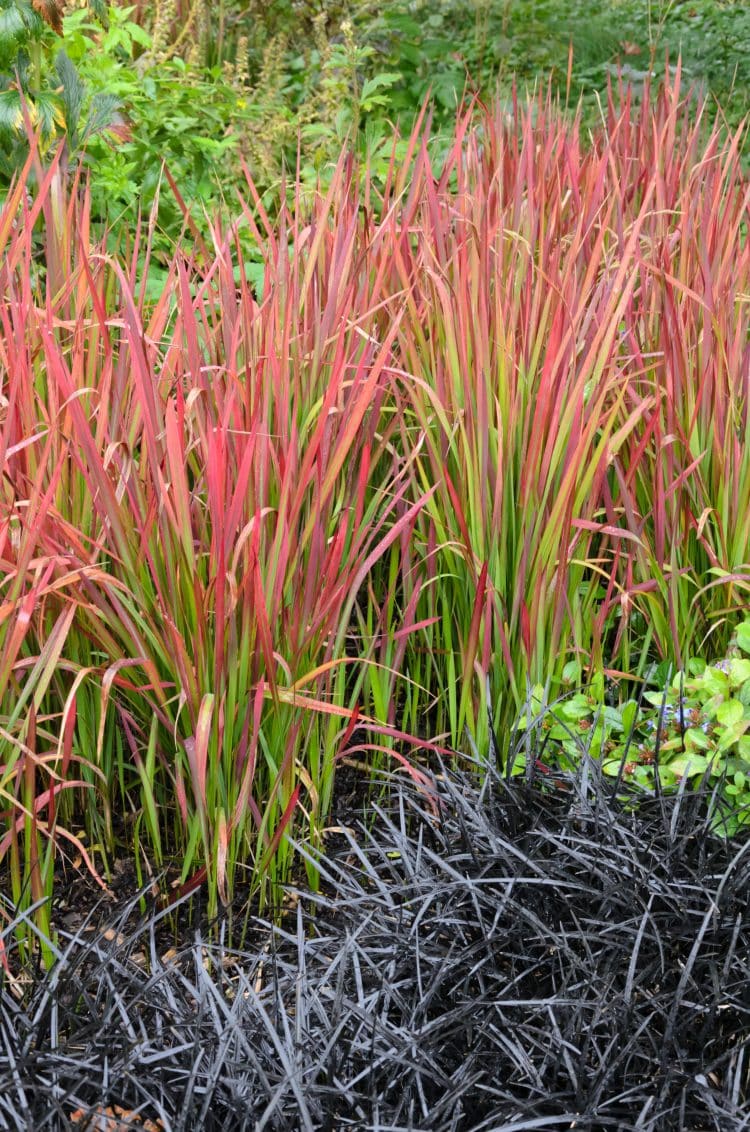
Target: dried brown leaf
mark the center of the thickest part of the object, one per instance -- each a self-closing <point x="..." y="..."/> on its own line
<point x="51" y="12"/>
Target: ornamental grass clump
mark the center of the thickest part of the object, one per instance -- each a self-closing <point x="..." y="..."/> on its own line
<point x="200" y="491"/>
<point x="533" y="957"/>
<point x="478" y="427"/>
<point x="577" y="335"/>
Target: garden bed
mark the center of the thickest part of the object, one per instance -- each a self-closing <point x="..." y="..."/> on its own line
<point x="455" y="462"/>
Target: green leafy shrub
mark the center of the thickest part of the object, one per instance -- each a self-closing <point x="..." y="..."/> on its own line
<point x="206" y="123"/>
<point x="200" y="126"/>
<point x="252" y="84"/>
<point x="40" y="88"/>
<point x="438" y="47"/>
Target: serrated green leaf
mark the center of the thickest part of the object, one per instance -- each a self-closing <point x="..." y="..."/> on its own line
<point x="13" y="27"/>
<point x="103" y="113"/>
<point x="48" y="113"/>
<point x="11" y="111"/>
<point x="72" y="93"/>
<point x="139" y="35"/>
<point x="100" y="8"/>
<point x="383" y="81"/>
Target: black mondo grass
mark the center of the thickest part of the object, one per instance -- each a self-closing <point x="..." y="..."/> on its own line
<point x="506" y="955"/>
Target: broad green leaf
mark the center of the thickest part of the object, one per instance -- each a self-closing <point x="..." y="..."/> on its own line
<point x="729" y="712"/>
<point x="733" y="733"/>
<point x="671" y="745"/>
<point x="629" y="713"/>
<point x="743" y="636"/>
<point x="576" y="708"/>
<point x="715" y="681"/>
<point x="688" y="765"/>
<point x="657" y="698"/>
<point x="739" y="670"/>
<point x="612" y="718"/>
<point x="537" y="696"/>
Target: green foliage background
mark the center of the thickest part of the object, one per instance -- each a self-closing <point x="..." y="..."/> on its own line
<point x="205" y="87"/>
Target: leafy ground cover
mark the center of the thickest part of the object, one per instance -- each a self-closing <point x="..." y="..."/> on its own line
<point x="489" y="953"/>
<point x="688" y="728"/>
<point x="468" y="432"/>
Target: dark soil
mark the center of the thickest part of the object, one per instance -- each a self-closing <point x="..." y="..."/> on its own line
<point x="82" y="905"/>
